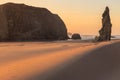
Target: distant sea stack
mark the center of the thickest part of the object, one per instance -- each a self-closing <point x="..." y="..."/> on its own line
<point x="105" y="31"/>
<point x="76" y="36"/>
<point x="19" y="22"/>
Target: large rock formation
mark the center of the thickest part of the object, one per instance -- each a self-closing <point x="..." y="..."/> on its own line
<point x="19" y="22"/>
<point x="105" y="32"/>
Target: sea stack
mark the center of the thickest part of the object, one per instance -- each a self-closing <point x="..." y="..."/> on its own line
<point x="20" y="22"/>
<point x="76" y="36"/>
<point x="105" y="31"/>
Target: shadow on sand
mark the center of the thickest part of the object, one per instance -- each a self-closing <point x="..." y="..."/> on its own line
<point x="100" y="64"/>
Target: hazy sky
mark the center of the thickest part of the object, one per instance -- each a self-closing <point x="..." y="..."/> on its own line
<point x="80" y="16"/>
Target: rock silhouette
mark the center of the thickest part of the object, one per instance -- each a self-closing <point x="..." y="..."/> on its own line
<point x="105" y="31"/>
<point x="20" y="22"/>
<point x="76" y="36"/>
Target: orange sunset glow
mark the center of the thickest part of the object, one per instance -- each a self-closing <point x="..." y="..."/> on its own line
<point x="80" y="16"/>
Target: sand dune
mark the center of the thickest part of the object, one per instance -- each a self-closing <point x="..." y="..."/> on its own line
<point x="46" y="60"/>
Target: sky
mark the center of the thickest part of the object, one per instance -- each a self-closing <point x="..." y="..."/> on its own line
<point x="80" y="16"/>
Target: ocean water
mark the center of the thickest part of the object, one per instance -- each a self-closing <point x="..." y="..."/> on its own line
<point x="88" y="37"/>
<point x="116" y="37"/>
<point x="85" y="37"/>
<point x="92" y="37"/>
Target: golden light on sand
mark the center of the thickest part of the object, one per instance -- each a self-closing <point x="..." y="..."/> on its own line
<point x="24" y="60"/>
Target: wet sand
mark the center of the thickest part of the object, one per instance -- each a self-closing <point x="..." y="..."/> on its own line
<point x="61" y="60"/>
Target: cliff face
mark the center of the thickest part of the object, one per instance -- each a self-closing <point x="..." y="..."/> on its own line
<point x="105" y="31"/>
<point x="19" y="22"/>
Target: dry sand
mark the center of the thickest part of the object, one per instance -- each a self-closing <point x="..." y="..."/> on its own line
<point x="62" y="60"/>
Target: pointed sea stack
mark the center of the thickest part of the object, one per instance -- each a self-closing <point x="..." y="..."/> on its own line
<point x="105" y="31"/>
<point x="20" y="22"/>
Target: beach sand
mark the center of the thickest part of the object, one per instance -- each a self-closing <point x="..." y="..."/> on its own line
<point x="59" y="60"/>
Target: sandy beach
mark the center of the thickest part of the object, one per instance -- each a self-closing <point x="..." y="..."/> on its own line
<point x="59" y="40"/>
<point x="60" y="60"/>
